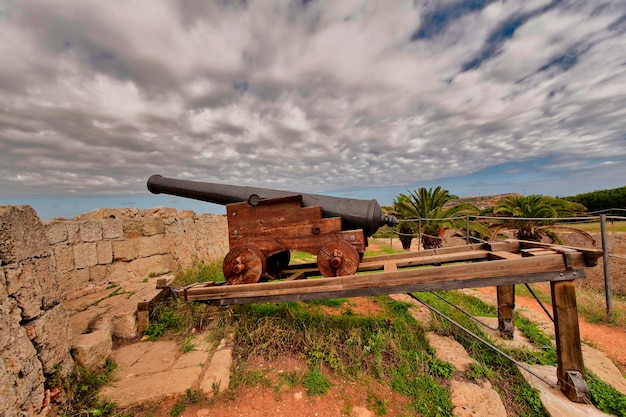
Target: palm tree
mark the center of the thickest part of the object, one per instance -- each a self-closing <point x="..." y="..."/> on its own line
<point x="434" y="207"/>
<point x="535" y="206"/>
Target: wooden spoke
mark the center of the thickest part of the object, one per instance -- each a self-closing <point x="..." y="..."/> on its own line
<point x="244" y="265"/>
<point x="338" y="258"/>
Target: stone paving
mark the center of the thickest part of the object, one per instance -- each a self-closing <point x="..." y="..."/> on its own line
<point x="149" y="371"/>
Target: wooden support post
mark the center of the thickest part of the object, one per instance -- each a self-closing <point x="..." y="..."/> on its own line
<point x="506" y="305"/>
<point x="571" y="369"/>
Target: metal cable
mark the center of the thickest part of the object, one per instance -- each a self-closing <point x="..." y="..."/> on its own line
<point x="463" y="311"/>
<point x="539" y="301"/>
<point x="486" y="343"/>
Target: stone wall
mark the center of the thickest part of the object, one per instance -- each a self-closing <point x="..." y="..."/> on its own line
<point x="42" y="264"/>
<point x="110" y="246"/>
<point x="35" y="333"/>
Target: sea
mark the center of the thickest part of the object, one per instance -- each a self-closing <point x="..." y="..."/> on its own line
<point x="69" y="207"/>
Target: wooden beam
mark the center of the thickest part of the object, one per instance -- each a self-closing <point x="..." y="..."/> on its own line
<point x="591" y="255"/>
<point x="571" y="369"/>
<point x="506" y="305"/>
<point x="445" y="277"/>
<point x="339" y="292"/>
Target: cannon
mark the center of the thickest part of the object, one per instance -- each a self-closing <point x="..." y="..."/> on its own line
<point x="265" y="224"/>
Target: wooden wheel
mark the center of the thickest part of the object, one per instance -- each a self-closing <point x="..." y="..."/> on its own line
<point x="244" y="265"/>
<point x="277" y="262"/>
<point x="337" y="258"/>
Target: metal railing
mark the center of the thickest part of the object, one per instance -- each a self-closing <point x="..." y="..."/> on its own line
<point x="600" y="216"/>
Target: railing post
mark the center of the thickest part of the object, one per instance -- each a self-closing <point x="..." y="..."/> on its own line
<point x="467" y="236"/>
<point x="605" y="261"/>
<point x="419" y="233"/>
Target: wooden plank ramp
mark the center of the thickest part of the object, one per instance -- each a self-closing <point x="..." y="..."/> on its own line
<point x="478" y="265"/>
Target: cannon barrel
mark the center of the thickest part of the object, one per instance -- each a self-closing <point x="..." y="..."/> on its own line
<point x="355" y="214"/>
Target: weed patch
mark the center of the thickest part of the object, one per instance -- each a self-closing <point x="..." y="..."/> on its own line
<point x="390" y="347"/>
<point x="316" y="383"/>
<point x="604" y="397"/>
<point x="518" y="397"/>
<point x="191" y="397"/>
<point x="201" y="272"/>
<point x="81" y="391"/>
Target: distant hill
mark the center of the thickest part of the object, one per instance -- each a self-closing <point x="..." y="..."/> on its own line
<point x="482" y="202"/>
<point x="601" y="199"/>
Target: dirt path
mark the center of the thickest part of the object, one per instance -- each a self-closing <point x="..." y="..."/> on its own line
<point x="609" y="340"/>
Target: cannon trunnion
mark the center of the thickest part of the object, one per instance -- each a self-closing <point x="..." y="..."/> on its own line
<point x="264" y="225"/>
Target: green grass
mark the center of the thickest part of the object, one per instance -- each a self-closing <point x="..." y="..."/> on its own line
<point x="187" y="345"/>
<point x="191" y="397"/>
<point x="594" y="227"/>
<point x="298" y="257"/>
<point x="501" y="372"/>
<point x="331" y="302"/>
<point x="201" y="272"/>
<point x="591" y="304"/>
<point x="389" y="347"/>
<point x="316" y="383"/>
<point x="604" y="397"/>
<point x="517" y="395"/>
<point x="80" y="390"/>
<point x="383" y="250"/>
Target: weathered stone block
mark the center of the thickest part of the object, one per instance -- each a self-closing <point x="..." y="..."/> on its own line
<point x="21" y="234"/>
<point x="161" y="212"/>
<point x="85" y="255"/>
<point x="64" y="256"/>
<point x="132" y="228"/>
<point x="8" y="397"/>
<point x="91" y="350"/>
<point x="3" y="284"/>
<point x="74" y="280"/>
<point x="90" y="231"/>
<point x="151" y="245"/>
<point x="73" y="235"/>
<point x="152" y="226"/>
<point x="52" y="336"/>
<point x="45" y="273"/>
<point x="123" y="250"/>
<point x="112" y="229"/>
<point x="23" y="286"/>
<point x="23" y="374"/>
<point x="10" y="317"/>
<point x="56" y="232"/>
<point x="118" y="272"/>
<point x="158" y="264"/>
<point x="186" y="214"/>
<point x="98" y="274"/>
<point x="105" y="252"/>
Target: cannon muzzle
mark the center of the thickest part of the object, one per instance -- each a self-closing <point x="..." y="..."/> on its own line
<point x="355" y="213"/>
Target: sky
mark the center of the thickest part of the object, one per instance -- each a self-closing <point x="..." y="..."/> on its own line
<point x="350" y="98"/>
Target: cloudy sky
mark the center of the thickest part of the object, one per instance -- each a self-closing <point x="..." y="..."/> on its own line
<point x="480" y="96"/>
